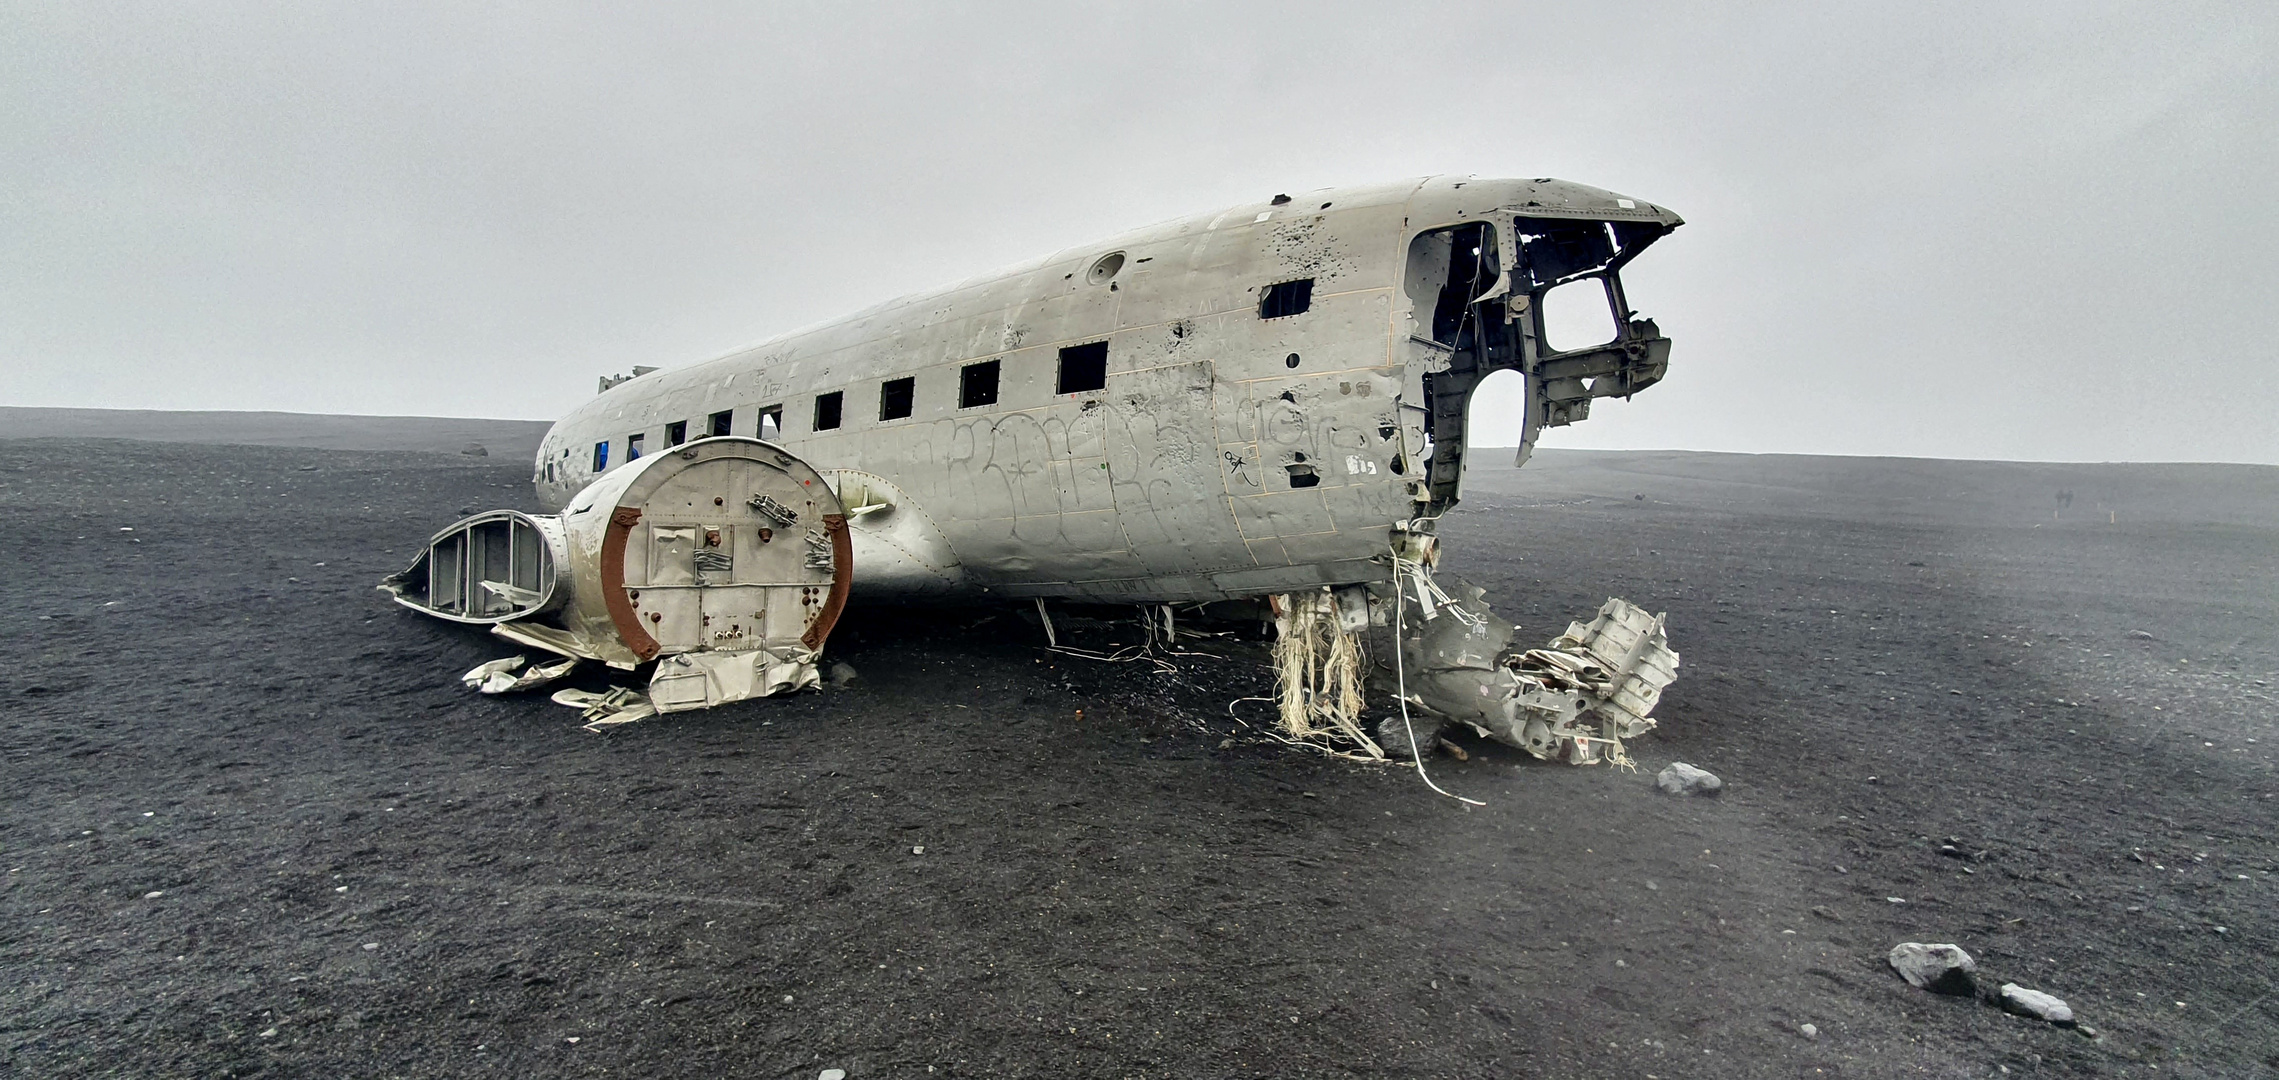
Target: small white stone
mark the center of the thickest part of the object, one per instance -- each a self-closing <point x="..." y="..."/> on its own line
<point x="1808" y="1031"/>
<point x="371" y="945"/>
<point x="2034" y="1003"/>
<point x="153" y="894"/>
<point x="832" y="1074"/>
<point x="269" y="1034"/>
<point x="918" y="850"/>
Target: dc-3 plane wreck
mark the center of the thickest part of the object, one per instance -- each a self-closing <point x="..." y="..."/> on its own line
<point x="1264" y="405"/>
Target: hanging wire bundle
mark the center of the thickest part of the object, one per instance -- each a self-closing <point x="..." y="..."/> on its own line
<point x="1317" y="671"/>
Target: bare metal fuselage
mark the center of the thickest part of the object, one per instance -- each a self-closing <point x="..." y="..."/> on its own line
<point x="1284" y="386"/>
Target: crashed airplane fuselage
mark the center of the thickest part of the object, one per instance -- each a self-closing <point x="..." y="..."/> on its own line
<point x="1229" y="405"/>
<point x="1263" y="400"/>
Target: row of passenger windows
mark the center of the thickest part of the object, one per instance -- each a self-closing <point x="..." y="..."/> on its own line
<point x="1083" y="368"/>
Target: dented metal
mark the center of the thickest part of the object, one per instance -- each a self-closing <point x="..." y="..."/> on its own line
<point x="1268" y="400"/>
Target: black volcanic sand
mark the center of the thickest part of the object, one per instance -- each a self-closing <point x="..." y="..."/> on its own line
<point x="254" y="826"/>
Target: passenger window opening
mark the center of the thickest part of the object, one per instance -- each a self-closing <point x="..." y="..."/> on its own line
<point x="827" y="409"/>
<point x="1284" y="299"/>
<point x="894" y="398"/>
<point x="720" y="423"/>
<point x="633" y="446"/>
<point x="770" y="426"/>
<point x="601" y="455"/>
<point x="1302" y="476"/>
<point x="1083" y="368"/>
<point x="676" y="433"/>
<point x="977" y="385"/>
<point x="1578" y="315"/>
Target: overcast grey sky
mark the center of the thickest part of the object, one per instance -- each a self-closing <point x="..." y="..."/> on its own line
<point x="2032" y="231"/>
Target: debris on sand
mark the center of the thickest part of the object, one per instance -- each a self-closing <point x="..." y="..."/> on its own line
<point x="616" y="706"/>
<point x="2040" y="1006"/>
<point x="1941" y="969"/>
<point x="498" y="676"/>
<point x="1574" y="700"/>
<point x="842" y="675"/>
<point x="832" y="1074"/>
<point x="2139" y="635"/>
<point x="1683" y="779"/>
<point x="474" y="449"/>
<point x="1808" y="1031"/>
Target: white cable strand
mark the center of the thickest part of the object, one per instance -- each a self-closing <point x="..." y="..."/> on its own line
<point x="1401" y="671"/>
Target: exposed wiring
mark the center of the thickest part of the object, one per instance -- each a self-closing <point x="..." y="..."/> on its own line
<point x="1401" y="672"/>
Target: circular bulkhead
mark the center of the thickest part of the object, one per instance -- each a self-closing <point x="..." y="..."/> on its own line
<point x="725" y="544"/>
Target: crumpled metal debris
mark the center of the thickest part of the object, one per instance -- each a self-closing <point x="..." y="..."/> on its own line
<point x="699" y="680"/>
<point x="612" y="707"/>
<point x="1575" y="700"/>
<point x="499" y="676"/>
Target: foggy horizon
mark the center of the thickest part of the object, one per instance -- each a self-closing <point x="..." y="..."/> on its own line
<point x="1944" y="232"/>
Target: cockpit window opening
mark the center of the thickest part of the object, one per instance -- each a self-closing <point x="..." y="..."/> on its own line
<point x="977" y="385"/>
<point x="1555" y="251"/>
<point x="770" y="425"/>
<point x="1286" y="298"/>
<point x="676" y="433"/>
<point x="895" y="398"/>
<point x="1578" y="314"/>
<point x="633" y="445"/>
<point x="1083" y="368"/>
<point x="601" y="455"/>
<point x="721" y="423"/>
<point x="827" y="409"/>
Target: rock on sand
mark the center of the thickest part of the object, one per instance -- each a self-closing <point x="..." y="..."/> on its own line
<point x="1941" y="969"/>
<point x="1683" y="779"/>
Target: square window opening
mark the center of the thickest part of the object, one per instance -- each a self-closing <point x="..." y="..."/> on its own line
<point x="827" y="408"/>
<point x="770" y="426"/>
<point x="977" y="385"/>
<point x="676" y="433"/>
<point x="1083" y="368"/>
<point x="720" y="423"/>
<point x="1287" y="298"/>
<point x="601" y="455"/>
<point x="633" y="445"/>
<point x="894" y="398"/>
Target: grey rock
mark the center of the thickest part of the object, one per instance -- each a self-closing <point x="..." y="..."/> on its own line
<point x="2139" y="635"/>
<point x="1941" y="969"/>
<point x="2034" y="1003"/>
<point x="1393" y="736"/>
<point x="1683" y="779"/>
<point x="842" y="675"/>
<point x="1808" y="1031"/>
<point x="474" y="449"/>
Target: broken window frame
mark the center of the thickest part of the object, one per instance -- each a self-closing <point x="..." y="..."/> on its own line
<point x="977" y="384"/>
<point x="771" y="416"/>
<point x="830" y="410"/>
<point x="1083" y="368"/>
<point x="1285" y="299"/>
<point x="897" y="398"/>
<point x="720" y="423"/>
